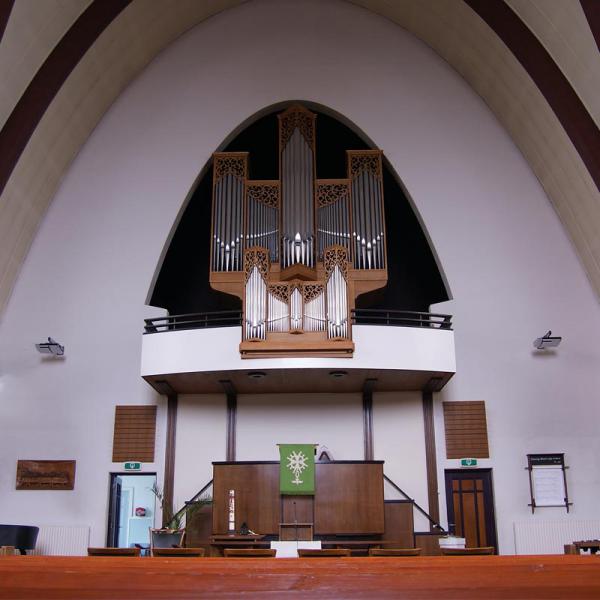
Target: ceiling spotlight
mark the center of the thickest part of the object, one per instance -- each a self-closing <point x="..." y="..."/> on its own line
<point x="547" y="341"/>
<point x="338" y="374"/>
<point x="257" y="374"/>
<point x="51" y="347"/>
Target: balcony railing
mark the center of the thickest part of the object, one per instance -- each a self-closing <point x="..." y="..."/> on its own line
<point x="360" y="316"/>
<point x="222" y="318"/>
<point x="400" y="318"/>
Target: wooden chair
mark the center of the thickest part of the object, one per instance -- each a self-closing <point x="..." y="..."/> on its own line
<point x="394" y="551"/>
<point x="323" y="553"/>
<point x="113" y="551"/>
<point x="249" y="553"/>
<point x="189" y="552"/>
<point x="467" y="551"/>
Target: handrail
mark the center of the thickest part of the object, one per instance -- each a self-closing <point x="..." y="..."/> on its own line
<point x="433" y="522"/>
<point x="400" y="318"/>
<point x="194" y="499"/>
<point x="204" y="320"/>
<point x="360" y="316"/>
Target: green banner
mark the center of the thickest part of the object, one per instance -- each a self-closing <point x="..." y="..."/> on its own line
<point x="297" y="469"/>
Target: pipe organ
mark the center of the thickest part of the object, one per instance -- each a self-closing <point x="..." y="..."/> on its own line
<point x="298" y="250"/>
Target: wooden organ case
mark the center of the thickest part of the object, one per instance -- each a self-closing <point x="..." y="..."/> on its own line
<point x="298" y="250"/>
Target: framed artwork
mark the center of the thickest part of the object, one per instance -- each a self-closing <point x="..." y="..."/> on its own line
<point x="45" y="475"/>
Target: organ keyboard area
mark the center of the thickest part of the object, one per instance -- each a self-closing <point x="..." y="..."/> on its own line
<point x="298" y="250"/>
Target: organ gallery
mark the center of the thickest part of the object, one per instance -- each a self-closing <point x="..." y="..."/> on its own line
<point x="298" y="250"/>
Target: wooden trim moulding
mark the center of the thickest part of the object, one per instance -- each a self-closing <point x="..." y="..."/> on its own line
<point x="49" y="78"/>
<point x="547" y="76"/>
<point x="5" y="9"/>
<point x="368" y="417"/>
<point x="430" y="459"/>
<point x="317" y="462"/>
<point x="169" y="477"/>
<point x="230" y="440"/>
<point x="591" y="8"/>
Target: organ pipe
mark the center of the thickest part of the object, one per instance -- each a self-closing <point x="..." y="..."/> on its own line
<point x="296" y="310"/>
<point x="336" y="266"/>
<point x="255" y="298"/>
<point x="297" y="187"/>
<point x="297" y="220"/>
<point x="229" y="175"/>
<point x="367" y="209"/>
<point x="278" y="310"/>
<point x="314" y="311"/>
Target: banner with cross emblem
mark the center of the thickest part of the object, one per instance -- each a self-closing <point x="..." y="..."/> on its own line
<point x="297" y="469"/>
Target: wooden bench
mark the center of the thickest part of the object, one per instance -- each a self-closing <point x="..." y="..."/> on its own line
<point x="249" y="552"/>
<point x="481" y="551"/>
<point x="448" y="577"/>
<point x="113" y="551"/>
<point x="175" y="552"/>
<point x="394" y="551"/>
<point x="323" y="552"/>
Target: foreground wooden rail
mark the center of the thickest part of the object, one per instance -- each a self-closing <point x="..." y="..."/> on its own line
<point x="471" y="577"/>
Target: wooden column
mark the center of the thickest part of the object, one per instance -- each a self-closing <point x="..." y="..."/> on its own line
<point x="231" y="395"/>
<point x="368" y="417"/>
<point x="164" y="388"/>
<point x="169" y="477"/>
<point x="430" y="457"/>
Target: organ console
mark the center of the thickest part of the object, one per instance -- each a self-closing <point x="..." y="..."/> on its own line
<point x="298" y="250"/>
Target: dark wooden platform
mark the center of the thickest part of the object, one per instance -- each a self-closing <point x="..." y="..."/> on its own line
<point x="469" y="577"/>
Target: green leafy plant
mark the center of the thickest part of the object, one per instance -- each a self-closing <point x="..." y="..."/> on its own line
<point x="175" y="520"/>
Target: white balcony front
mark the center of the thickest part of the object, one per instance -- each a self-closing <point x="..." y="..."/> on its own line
<point x="400" y="358"/>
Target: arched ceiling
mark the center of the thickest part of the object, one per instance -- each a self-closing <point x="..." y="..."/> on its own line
<point x="63" y="62"/>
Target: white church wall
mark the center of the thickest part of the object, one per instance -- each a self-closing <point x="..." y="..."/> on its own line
<point x="398" y="439"/>
<point x="201" y="427"/>
<point x="332" y="420"/>
<point x="511" y="268"/>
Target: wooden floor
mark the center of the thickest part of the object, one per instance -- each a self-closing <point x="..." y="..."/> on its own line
<point x="439" y="577"/>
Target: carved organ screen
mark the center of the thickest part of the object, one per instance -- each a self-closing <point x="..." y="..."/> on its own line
<point x="298" y="250"/>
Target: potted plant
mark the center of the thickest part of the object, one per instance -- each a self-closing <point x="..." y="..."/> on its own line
<point x="173" y="530"/>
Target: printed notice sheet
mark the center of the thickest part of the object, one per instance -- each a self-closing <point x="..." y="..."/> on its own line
<point x="548" y="486"/>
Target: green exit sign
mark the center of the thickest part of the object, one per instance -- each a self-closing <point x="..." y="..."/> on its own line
<point x="468" y="462"/>
<point x="133" y="466"/>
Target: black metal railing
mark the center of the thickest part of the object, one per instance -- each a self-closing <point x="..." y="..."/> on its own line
<point x="431" y="520"/>
<point x="222" y="318"/>
<point x="360" y="316"/>
<point x="400" y="318"/>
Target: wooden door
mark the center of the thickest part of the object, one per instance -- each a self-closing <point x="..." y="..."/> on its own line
<point x="470" y="503"/>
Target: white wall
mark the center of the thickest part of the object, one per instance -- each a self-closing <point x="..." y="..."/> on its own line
<point x="332" y="420"/>
<point x="511" y="268"/>
<point x="201" y="428"/>
<point x="399" y="440"/>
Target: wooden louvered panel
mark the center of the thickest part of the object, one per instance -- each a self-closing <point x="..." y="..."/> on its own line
<point x="466" y="430"/>
<point x="134" y="434"/>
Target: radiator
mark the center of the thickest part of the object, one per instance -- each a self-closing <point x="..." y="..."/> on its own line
<point x="549" y="537"/>
<point x="62" y="541"/>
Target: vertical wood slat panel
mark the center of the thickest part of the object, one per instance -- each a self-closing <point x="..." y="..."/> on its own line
<point x="465" y="426"/>
<point x="481" y="517"/>
<point x="467" y="501"/>
<point x="134" y="433"/>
